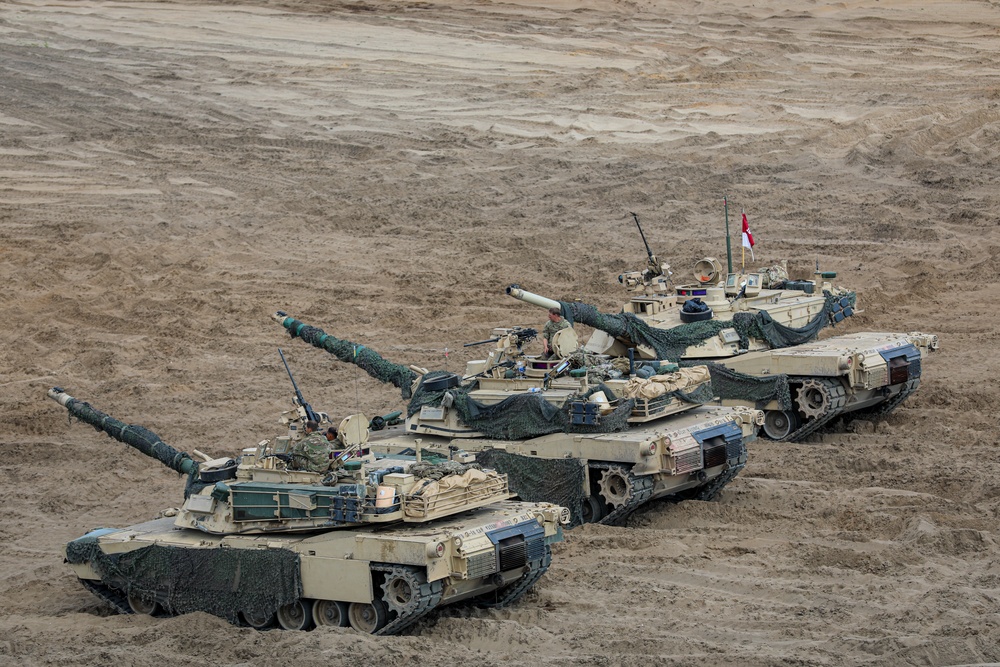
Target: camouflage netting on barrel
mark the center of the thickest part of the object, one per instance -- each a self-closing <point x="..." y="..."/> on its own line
<point x="141" y="438"/>
<point x="218" y="581"/>
<point x="670" y="344"/>
<point x="533" y="479"/>
<point x="517" y="417"/>
<point x="365" y="358"/>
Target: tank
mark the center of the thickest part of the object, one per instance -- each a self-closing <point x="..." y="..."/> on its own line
<point x="758" y="331"/>
<point x="602" y="450"/>
<point x="373" y="542"/>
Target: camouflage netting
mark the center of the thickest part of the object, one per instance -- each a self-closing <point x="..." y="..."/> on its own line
<point x="703" y="393"/>
<point x="726" y="383"/>
<point x="518" y="417"/>
<point x="534" y="479"/>
<point x="219" y="581"/>
<point x="440" y="469"/>
<point x="139" y="438"/>
<point x="367" y="359"/>
<point x="670" y="344"/>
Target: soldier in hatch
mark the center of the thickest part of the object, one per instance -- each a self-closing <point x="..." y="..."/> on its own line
<point x="555" y="324"/>
<point x="314" y="452"/>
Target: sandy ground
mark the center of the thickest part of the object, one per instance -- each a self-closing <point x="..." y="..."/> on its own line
<point x="172" y="173"/>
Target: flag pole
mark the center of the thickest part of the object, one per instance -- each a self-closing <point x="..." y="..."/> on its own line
<point x="743" y="258"/>
<point x="729" y="249"/>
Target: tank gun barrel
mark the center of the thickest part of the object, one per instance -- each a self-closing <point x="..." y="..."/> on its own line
<point x="626" y="327"/>
<point x="363" y="357"/>
<point x="137" y="437"/>
<point x="534" y="299"/>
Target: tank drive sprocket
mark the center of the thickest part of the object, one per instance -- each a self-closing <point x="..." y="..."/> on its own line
<point x="402" y="589"/>
<point x="818" y="396"/>
<point x="616" y="486"/>
<point x="407" y="593"/>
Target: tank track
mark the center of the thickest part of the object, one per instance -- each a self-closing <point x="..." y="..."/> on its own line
<point x="883" y="409"/>
<point x="429" y="598"/>
<point x="112" y="597"/>
<point x="642" y="491"/>
<point x="710" y="490"/>
<point x="517" y="590"/>
<point x="835" y="408"/>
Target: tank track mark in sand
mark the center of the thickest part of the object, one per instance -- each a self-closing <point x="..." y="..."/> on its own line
<point x="517" y="590"/>
<point x="641" y="491"/>
<point x="428" y="597"/>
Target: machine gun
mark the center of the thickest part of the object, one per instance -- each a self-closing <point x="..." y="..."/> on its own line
<point x="507" y="352"/>
<point x="304" y="409"/>
<point x="652" y="264"/>
<point x="654" y="277"/>
<point x="516" y="337"/>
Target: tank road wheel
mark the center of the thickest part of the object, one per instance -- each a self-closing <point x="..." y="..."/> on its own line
<point x="368" y="617"/>
<point x="141" y="605"/>
<point x="258" y="620"/>
<point x="616" y="487"/>
<point x="779" y="424"/>
<point x="592" y="509"/>
<point x="329" y="613"/>
<point x="817" y="396"/>
<point x="296" y="615"/>
<point x="401" y="590"/>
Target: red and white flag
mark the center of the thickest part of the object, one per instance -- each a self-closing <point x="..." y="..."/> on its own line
<point x="747" y="236"/>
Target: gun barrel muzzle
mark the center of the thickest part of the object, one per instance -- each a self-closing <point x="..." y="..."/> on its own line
<point x="534" y="299"/>
<point x="59" y="396"/>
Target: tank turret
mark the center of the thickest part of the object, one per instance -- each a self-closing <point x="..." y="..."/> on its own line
<point x="374" y="543"/>
<point x="602" y="449"/>
<point x="262" y="490"/>
<point x="759" y="333"/>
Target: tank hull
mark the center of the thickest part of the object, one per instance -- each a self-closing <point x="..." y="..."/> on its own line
<point x="862" y="375"/>
<point x="375" y="580"/>
<point x="604" y="477"/>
